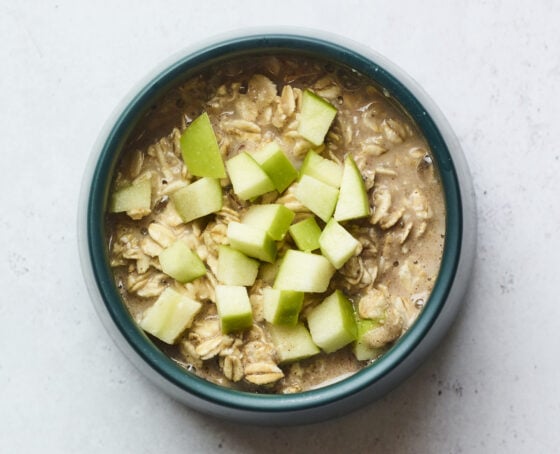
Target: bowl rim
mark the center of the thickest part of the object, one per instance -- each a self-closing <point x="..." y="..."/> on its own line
<point x="399" y="85"/>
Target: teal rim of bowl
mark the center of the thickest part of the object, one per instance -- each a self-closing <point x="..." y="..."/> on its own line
<point x="99" y="191"/>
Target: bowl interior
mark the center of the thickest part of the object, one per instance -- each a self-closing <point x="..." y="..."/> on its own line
<point x="179" y="71"/>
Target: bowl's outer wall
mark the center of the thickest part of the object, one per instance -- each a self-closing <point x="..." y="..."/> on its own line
<point x="303" y="412"/>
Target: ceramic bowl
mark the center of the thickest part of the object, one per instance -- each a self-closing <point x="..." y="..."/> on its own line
<point x="371" y="382"/>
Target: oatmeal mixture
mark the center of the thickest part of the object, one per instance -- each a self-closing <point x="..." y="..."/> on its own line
<point x="251" y="103"/>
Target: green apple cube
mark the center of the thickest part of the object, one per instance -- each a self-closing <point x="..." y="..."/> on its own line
<point x="362" y="351"/>
<point x="274" y="219"/>
<point x="137" y="196"/>
<point x="182" y="264"/>
<point x="353" y="200"/>
<point x="234" y="308"/>
<point x="306" y="234"/>
<point x="281" y="307"/>
<point x="332" y="324"/>
<point x="198" y="199"/>
<point x="316" y="117"/>
<point x="235" y="268"/>
<point x="170" y="315"/>
<point x="276" y="165"/>
<point x="252" y="241"/>
<point x="304" y="272"/>
<point x="322" y="169"/>
<point x="337" y="244"/>
<point x="200" y="149"/>
<point x="292" y="343"/>
<point x="249" y="180"/>
<point x="317" y="196"/>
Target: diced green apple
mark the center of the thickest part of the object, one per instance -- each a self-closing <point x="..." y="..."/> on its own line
<point x="234" y="308"/>
<point x="322" y="169"/>
<point x="306" y="234"/>
<point x="317" y="196"/>
<point x="276" y="165"/>
<point x="353" y="200"/>
<point x="273" y="218"/>
<point x="252" y="241"/>
<point x="281" y="307"/>
<point x="362" y="351"/>
<point x="235" y="268"/>
<point x="304" y="272"/>
<point x="317" y="114"/>
<point x="337" y="244"/>
<point x="170" y="315"/>
<point x="249" y="180"/>
<point x="137" y="196"/>
<point x="200" y="149"/>
<point x="331" y="323"/>
<point x="182" y="264"/>
<point x="198" y="199"/>
<point x="292" y="343"/>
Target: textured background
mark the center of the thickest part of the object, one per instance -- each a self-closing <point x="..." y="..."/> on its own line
<point x="493" y="67"/>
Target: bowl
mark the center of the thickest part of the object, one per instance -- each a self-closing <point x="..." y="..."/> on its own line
<point x="358" y="389"/>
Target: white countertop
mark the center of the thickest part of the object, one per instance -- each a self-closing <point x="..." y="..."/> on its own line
<point x="492" y="66"/>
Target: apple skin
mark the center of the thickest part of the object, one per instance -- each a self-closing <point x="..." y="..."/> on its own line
<point x="282" y="307"/>
<point x="234" y="308"/>
<point x="362" y="351"/>
<point x="276" y="165"/>
<point x="316" y="117"/>
<point x="200" y="149"/>
<point x="306" y="234"/>
<point x="252" y="241"/>
<point x="337" y="244"/>
<point x="170" y="315"/>
<point x="322" y="169"/>
<point x="198" y="199"/>
<point x="137" y="196"/>
<point x="332" y="324"/>
<point x="353" y="202"/>
<point x="249" y="180"/>
<point x="182" y="264"/>
<point x="274" y="219"/>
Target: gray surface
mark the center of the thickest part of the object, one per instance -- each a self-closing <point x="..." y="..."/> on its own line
<point x="492" y="67"/>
